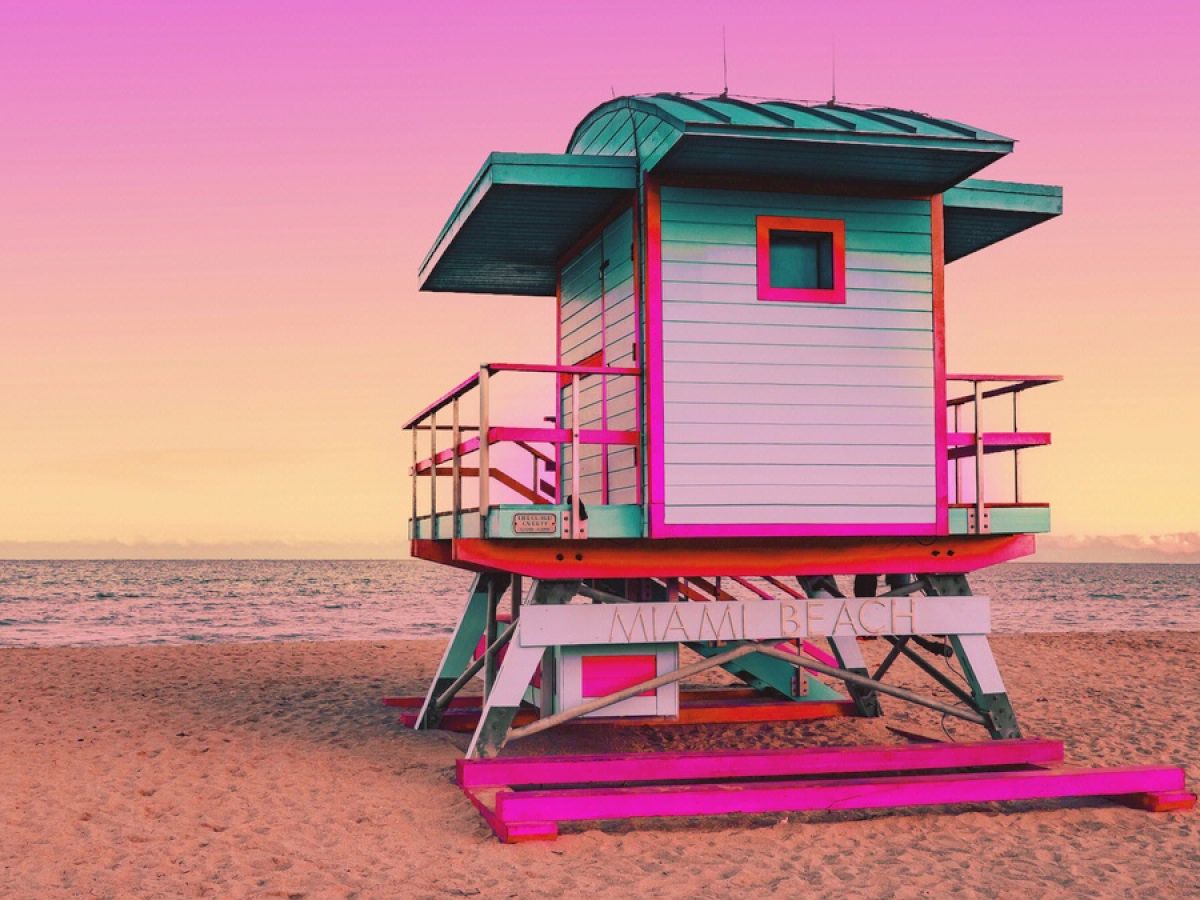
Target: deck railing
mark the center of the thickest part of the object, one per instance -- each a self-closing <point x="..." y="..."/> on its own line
<point x="486" y="436"/>
<point x="977" y="443"/>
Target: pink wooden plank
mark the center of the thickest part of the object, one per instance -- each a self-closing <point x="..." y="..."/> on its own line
<point x="855" y="793"/>
<point x="962" y="443"/>
<point x="559" y="435"/>
<point x="563" y="370"/>
<point x="514" y="832"/>
<point x="612" y="768"/>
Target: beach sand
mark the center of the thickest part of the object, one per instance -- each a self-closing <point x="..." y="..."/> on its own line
<point x="273" y="770"/>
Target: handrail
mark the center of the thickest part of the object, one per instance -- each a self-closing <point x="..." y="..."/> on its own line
<point x="561" y="370"/>
<point x="980" y="440"/>
<point x="427" y="421"/>
<point x="441" y="402"/>
<point x="1019" y="383"/>
<point x="473" y="381"/>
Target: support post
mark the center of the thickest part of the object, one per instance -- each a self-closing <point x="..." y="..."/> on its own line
<point x="979" y="529"/>
<point x="518" y="592"/>
<point x="979" y="667"/>
<point x="485" y="474"/>
<point x="415" y="535"/>
<point x="433" y="510"/>
<point x="456" y="470"/>
<point x="957" y="462"/>
<point x="513" y="677"/>
<point x="846" y="650"/>
<point x="495" y="589"/>
<point x="1016" y="453"/>
<point x="457" y="655"/>
<point x="575" y="461"/>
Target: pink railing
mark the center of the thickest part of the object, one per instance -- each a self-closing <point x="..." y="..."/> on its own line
<point x="977" y="442"/>
<point x="487" y="435"/>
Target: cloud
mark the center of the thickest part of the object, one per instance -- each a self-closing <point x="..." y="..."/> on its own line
<point x="100" y="549"/>
<point x="1180" y="547"/>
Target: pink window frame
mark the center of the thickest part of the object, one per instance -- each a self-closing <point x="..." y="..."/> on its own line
<point x="834" y="227"/>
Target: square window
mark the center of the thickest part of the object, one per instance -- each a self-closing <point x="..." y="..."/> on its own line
<point x="801" y="260"/>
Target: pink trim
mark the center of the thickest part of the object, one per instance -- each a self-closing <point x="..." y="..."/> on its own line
<point x="437" y="404"/>
<point x="563" y="370"/>
<point x="752" y="587"/>
<point x="941" y="463"/>
<point x="832" y="793"/>
<point x="757" y="556"/>
<point x="834" y="227"/>
<point x="704" y="764"/>
<point x="558" y="480"/>
<point x="1039" y="379"/>
<point x="653" y="367"/>
<point x="788" y="529"/>
<point x="602" y="675"/>
<point x="468" y="446"/>
<point x="658" y="527"/>
<point x="639" y="355"/>
<point x="550" y="435"/>
<point x="829" y="659"/>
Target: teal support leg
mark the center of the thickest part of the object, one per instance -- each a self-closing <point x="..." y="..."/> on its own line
<point x="974" y="654"/>
<point x="845" y="650"/>
<point x="513" y="677"/>
<point x="461" y="647"/>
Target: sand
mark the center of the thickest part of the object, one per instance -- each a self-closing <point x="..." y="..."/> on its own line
<point x="271" y="770"/>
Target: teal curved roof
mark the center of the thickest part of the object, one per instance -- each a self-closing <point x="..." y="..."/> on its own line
<point x="826" y="142"/>
<point x="523" y="211"/>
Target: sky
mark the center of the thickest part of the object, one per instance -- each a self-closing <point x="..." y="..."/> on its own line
<point x="211" y="217"/>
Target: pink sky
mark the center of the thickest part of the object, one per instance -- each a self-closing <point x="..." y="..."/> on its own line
<point x="212" y="217"/>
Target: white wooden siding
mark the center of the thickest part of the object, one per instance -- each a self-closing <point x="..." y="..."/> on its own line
<point x="599" y="312"/>
<point x="796" y="413"/>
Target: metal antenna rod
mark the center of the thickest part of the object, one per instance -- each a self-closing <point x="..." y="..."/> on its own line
<point x="724" y="65"/>
<point x="833" y="74"/>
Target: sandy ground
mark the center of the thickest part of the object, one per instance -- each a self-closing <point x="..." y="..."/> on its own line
<point x="272" y="770"/>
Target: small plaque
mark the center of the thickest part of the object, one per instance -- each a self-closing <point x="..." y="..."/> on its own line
<point x="535" y="523"/>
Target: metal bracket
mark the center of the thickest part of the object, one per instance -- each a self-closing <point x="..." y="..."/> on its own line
<point x="987" y="521"/>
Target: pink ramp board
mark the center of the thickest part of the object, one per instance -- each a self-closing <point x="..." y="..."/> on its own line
<point x="703" y="765"/>
<point x="837" y="793"/>
<point x="524" y="798"/>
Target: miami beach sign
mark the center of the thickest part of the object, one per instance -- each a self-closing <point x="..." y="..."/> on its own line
<point x="752" y="620"/>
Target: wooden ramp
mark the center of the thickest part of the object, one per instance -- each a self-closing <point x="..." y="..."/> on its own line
<point x="525" y="798"/>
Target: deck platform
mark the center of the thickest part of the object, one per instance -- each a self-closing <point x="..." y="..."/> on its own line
<point x="526" y="798"/>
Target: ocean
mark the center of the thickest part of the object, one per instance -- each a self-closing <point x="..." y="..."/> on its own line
<point x="116" y="602"/>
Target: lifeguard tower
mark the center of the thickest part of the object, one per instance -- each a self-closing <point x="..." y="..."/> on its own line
<point x="750" y="398"/>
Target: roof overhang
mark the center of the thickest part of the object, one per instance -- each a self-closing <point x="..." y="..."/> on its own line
<point x="520" y="215"/>
<point x="979" y="213"/>
<point x="834" y="161"/>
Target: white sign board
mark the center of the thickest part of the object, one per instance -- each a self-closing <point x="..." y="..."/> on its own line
<point x="753" y="620"/>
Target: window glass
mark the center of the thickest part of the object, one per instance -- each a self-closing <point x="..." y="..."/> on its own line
<point x="801" y="259"/>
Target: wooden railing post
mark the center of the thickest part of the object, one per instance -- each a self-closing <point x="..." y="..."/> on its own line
<point x="456" y="470"/>
<point x="978" y="458"/>
<point x="575" y="461"/>
<point x="957" y="464"/>
<point x="1016" y="453"/>
<point x="484" y="463"/>
<point x="433" y="522"/>
<point x="415" y="533"/>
